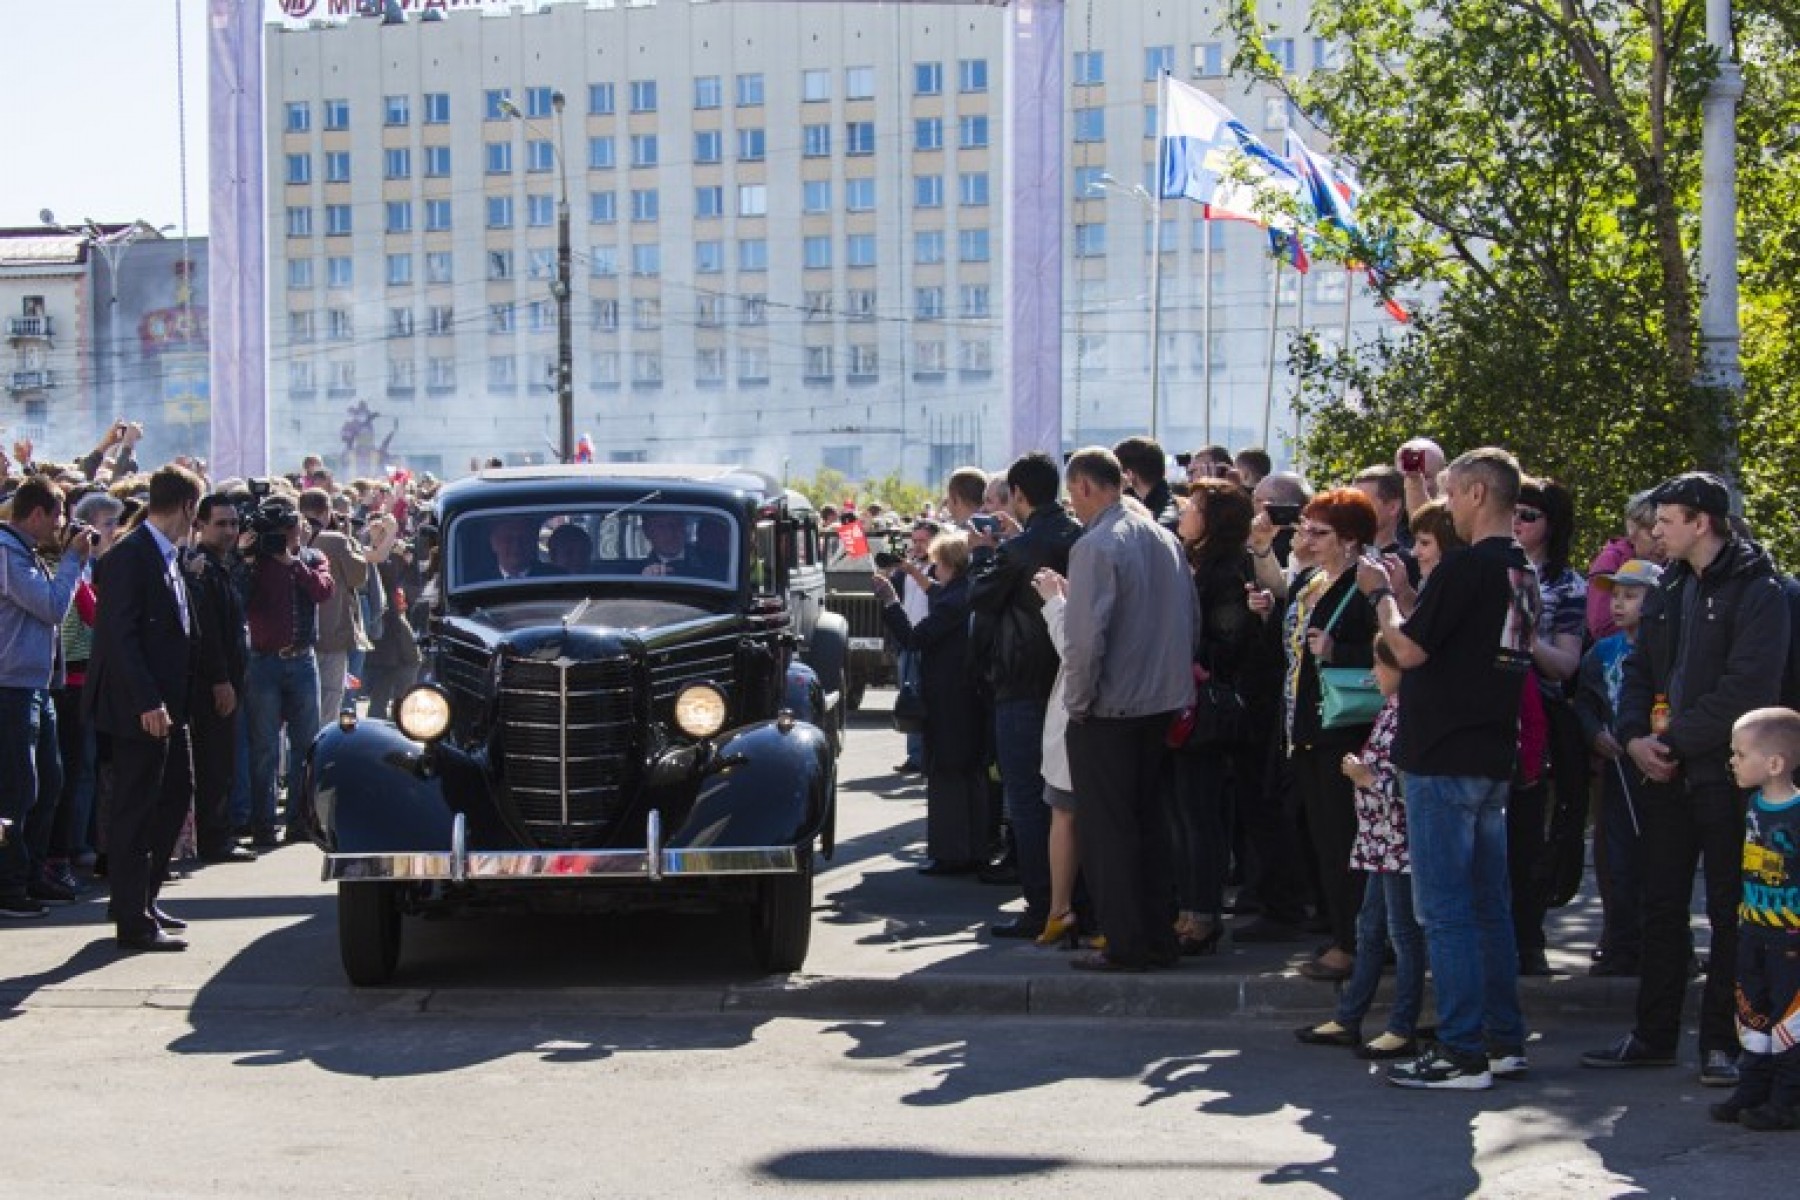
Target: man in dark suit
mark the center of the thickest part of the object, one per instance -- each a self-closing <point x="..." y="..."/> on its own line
<point x="514" y="542"/>
<point x="146" y="633"/>
<point x="218" y="684"/>
<point x="670" y="553"/>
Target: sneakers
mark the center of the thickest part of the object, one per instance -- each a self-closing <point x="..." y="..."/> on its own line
<point x="1718" y="1069"/>
<point x="21" y="908"/>
<point x="50" y="888"/>
<point x="1507" y="1062"/>
<point x="1628" y="1051"/>
<point x="1441" y="1069"/>
<point x="1771" y="1118"/>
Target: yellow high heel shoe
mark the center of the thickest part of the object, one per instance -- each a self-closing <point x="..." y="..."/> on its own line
<point x="1059" y="930"/>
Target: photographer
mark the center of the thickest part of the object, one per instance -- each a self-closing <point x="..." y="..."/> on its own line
<point x="288" y="582"/>
<point x="218" y="683"/>
<point x="340" y="614"/>
<point x="33" y="601"/>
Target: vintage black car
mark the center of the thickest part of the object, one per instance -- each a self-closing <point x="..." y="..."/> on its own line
<point x="617" y="712"/>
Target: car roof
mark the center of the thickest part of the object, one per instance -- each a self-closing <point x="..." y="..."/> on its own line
<point x="499" y="487"/>
<point x="742" y="478"/>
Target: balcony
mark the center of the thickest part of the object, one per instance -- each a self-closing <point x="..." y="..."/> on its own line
<point x="28" y="327"/>
<point x="30" y="381"/>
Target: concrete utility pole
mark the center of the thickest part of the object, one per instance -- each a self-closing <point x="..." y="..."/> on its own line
<point x="1720" y="369"/>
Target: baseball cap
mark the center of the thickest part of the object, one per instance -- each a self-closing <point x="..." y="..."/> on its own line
<point x="1636" y="572"/>
<point x="1701" y="491"/>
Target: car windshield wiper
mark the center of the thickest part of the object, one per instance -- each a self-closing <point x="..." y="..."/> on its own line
<point x="623" y="509"/>
<point x="575" y="614"/>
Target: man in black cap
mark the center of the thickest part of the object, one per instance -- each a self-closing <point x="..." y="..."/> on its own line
<point x="1713" y="635"/>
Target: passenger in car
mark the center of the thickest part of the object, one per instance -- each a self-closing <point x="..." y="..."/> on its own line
<point x="571" y="549"/>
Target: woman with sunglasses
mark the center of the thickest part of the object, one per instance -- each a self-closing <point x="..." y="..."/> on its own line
<point x="1544" y="526"/>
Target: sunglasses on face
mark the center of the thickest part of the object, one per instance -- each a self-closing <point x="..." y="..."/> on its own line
<point x="1527" y="516"/>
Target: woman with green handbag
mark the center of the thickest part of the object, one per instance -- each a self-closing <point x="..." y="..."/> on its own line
<point x="1331" y="702"/>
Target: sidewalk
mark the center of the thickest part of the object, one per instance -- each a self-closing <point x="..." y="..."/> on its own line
<point x="886" y="941"/>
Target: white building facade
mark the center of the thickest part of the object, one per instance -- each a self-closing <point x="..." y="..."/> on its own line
<point x="788" y="225"/>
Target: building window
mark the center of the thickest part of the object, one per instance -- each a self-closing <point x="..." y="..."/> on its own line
<point x="337" y="220"/>
<point x="601" y="154"/>
<point x="437" y="216"/>
<point x="975" y="356"/>
<point x="753" y="254"/>
<point x="815" y="141"/>
<point x="600" y="99"/>
<point x="928" y="191"/>
<point x="709" y="201"/>
<point x="709" y="366"/>
<point x="972" y="133"/>
<point x="750" y="145"/>
<point x="399" y="270"/>
<point x="400" y="374"/>
<point x="299" y="117"/>
<point x="709" y="257"/>
<point x="753" y="200"/>
<point x="500" y="264"/>
<point x="396" y="163"/>
<point x="818" y="362"/>
<point x="859" y="195"/>
<point x="440" y="320"/>
<point x="972" y="245"/>
<point x="646" y="313"/>
<point x="1326" y="56"/>
<point x="711" y="311"/>
<point x="1090" y="241"/>
<point x="300" y="326"/>
<point x="643" y="150"/>
<point x="437" y="108"/>
<point x="753" y="308"/>
<point x="815" y="196"/>
<point x="646" y="260"/>
<point x="338" y="325"/>
<point x="540" y="156"/>
<point x="972" y="301"/>
<point x="440" y="374"/>
<point x="606" y="315"/>
<point x="859" y="304"/>
<point x="299" y="168"/>
<point x="440" y="267"/>
<point x="300" y="273"/>
<point x="859" y="83"/>
<point x="859" y="250"/>
<point x="494" y="103"/>
<point x="816" y="252"/>
<point x="499" y="158"/>
<point x="395" y="110"/>
<point x="1275" y="112"/>
<point x="499" y="212"/>
<point x="300" y="377"/>
<point x="299" y="222"/>
<point x="708" y="146"/>
<point x="753" y="364"/>
<point x="865" y="362"/>
<point x="343" y="377"/>
<point x="1209" y="60"/>
<point x="1158" y="61"/>
<point x="503" y="372"/>
<point x="1090" y="124"/>
<point x="646" y="368"/>
<point x="972" y="187"/>
<point x="540" y="211"/>
<point x="603" y="261"/>
<point x="399" y="216"/>
<point x="972" y="75"/>
<point x="928" y="246"/>
<point x="859" y="138"/>
<point x="1331" y="286"/>
<point x="337" y="114"/>
<point x="707" y="92"/>
<point x="540" y="102"/>
<point x="928" y="79"/>
<point x="750" y="91"/>
<point x="818" y="306"/>
<point x="928" y="133"/>
<point x="1090" y="68"/>
<point x="815" y="86"/>
<point x="400" y="322"/>
<point x="437" y="162"/>
<point x="337" y="166"/>
<point x="605" y="369"/>
<point x="928" y="303"/>
<point x="644" y="204"/>
<point x="928" y="358"/>
<point x="1283" y="51"/>
<point x="643" y="95"/>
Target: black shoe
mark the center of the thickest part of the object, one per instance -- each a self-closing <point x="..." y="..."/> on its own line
<point x="1771" y="1118"/>
<point x="1628" y="1051"/>
<point x="47" y="889"/>
<point x="1264" y="930"/>
<point x="1000" y="874"/>
<point x="1614" y="966"/>
<point x="296" y="832"/>
<point x="21" y="908"/>
<point x="154" y="940"/>
<point x="1023" y="926"/>
<point x="166" y="923"/>
<point x="264" y="838"/>
<point x="1328" y="1033"/>
<point x="938" y="866"/>
<point x="1507" y="1062"/>
<point x="909" y="767"/>
<point x="1725" y="1112"/>
<point x="1534" y="963"/>
<point x="1443" y="1070"/>
<point x="230" y="854"/>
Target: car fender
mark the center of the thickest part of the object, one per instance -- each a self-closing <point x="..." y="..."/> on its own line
<point x="803" y="694"/>
<point x="828" y="651"/>
<point x="371" y="789"/>
<point x="768" y="784"/>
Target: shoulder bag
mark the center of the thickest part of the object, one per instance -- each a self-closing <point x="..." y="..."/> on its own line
<point x="1348" y="696"/>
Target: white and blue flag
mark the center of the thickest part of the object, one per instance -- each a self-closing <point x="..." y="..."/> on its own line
<point x="1212" y="158"/>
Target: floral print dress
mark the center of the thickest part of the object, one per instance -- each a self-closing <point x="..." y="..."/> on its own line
<point x="1380" y="844"/>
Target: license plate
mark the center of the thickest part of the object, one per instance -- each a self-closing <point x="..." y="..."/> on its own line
<point x="867" y="643"/>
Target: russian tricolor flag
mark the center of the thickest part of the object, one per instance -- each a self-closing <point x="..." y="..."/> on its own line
<point x="1210" y="157"/>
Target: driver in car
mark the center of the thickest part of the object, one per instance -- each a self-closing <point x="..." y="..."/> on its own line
<point x="670" y="553"/>
<point x="514" y="541"/>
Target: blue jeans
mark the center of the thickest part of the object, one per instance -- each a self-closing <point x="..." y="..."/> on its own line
<point x="1456" y="829"/>
<point x="30" y="781"/>
<point x="1387" y="908"/>
<point x="279" y="690"/>
<point x="1019" y="748"/>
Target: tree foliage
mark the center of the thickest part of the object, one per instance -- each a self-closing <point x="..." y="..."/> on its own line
<point x="1532" y="167"/>
<point x="891" y="491"/>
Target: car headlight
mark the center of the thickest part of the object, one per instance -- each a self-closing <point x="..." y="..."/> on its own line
<point x="700" y="710"/>
<point x="423" y="714"/>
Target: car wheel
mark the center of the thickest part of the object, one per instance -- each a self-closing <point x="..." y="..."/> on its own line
<point x="782" y="929"/>
<point x="369" y="931"/>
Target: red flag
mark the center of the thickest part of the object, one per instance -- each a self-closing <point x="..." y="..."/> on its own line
<point x="852" y="539"/>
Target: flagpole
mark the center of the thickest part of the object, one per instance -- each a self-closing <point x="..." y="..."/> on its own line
<point x="1162" y="130"/>
<point x="1349" y="293"/>
<point x="1206" y="363"/>
<point x="1269" y="375"/>
<point x="1299" y="327"/>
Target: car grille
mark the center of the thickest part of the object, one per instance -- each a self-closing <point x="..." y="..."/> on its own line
<point x="713" y="661"/>
<point x="566" y="735"/>
<point x="860" y="610"/>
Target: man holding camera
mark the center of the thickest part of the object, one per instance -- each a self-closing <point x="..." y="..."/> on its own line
<point x="146" y="631"/>
<point x="33" y="601"/>
<point x="218" y="677"/>
<point x="340" y="613"/>
<point x="288" y="581"/>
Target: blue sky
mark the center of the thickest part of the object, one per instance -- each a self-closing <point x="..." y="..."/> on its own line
<point x="91" y="123"/>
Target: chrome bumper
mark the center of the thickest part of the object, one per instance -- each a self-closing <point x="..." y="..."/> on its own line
<point x="651" y="864"/>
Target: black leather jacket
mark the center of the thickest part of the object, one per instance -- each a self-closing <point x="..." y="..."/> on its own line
<point x="1018" y="660"/>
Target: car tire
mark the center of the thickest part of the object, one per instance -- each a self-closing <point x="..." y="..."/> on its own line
<point x="369" y="931"/>
<point x="782" y="923"/>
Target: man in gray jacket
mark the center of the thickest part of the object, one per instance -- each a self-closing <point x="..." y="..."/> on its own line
<point x="1130" y="629"/>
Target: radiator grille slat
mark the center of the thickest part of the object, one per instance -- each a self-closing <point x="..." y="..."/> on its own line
<point x="566" y="734"/>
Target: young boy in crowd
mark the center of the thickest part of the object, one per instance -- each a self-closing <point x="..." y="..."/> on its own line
<point x="1765" y="749"/>
<point x="1597" y="706"/>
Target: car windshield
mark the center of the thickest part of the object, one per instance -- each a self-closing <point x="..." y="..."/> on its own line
<point x="651" y="543"/>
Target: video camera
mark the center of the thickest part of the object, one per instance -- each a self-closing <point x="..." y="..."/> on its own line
<point x="270" y="521"/>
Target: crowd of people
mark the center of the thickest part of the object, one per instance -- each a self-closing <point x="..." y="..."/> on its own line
<point x="169" y="641"/>
<point x="1385" y="712"/>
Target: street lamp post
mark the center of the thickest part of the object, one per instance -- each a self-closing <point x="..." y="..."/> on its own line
<point x="111" y="247"/>
<point x="1138" y="192"/>
<point x="562" y="289"/>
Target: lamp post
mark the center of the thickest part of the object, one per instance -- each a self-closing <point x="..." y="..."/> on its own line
<point x="562" y="289"/>
<point x="1140" y="193"/>
<point x="111" y="247"/>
